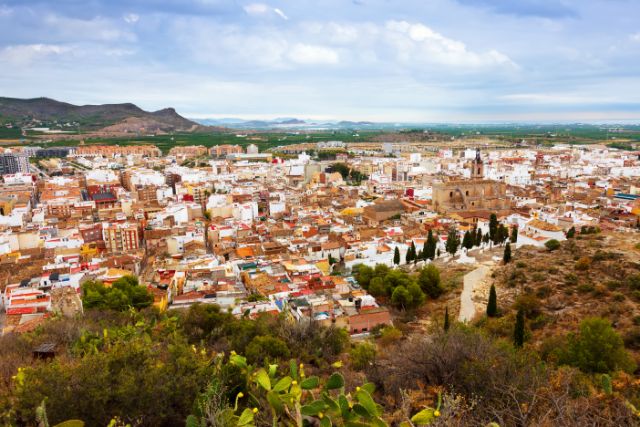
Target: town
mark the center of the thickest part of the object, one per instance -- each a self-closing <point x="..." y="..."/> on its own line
<point x="290" y="230"/>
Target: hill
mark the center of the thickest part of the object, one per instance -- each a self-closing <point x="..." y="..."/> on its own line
<point x="591" y="275"/>
<point x="46" y="112"/>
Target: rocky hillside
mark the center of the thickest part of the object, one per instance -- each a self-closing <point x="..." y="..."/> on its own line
<point x="590" y="275"/>
<point x="51" y="113"/>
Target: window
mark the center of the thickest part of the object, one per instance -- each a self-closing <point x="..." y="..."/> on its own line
<point x="451" y="194"/>
<point x="466" y="193"/>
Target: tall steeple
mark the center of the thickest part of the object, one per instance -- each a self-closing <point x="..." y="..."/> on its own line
<point x="477" y="166"/>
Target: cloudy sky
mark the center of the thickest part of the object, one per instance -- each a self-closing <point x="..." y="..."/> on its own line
<point x="383" y="60"/>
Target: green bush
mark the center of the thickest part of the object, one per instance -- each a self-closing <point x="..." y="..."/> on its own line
<point x="389" y="335"/>
<point x="585" y="288"/>
<point x="596" y="348"/>
<point x="543" y="291"/>
<point x="618" y="296"/>
<point x="552" y="244"/>
<point x="267" y="348"/>
<point x="570" y="279"/>
<point x="538" y="277"/>
<point x="612" y="285"/>
<point x="529" y="304"/>
<point x="125" y="376"/>
<point x="362" y="355"/>
<point x="633" y="281"/>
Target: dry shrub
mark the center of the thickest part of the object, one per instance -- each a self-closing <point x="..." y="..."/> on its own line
<point x="512" y="388"/>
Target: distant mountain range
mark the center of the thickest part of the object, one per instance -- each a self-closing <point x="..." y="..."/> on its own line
<point x="291" y="123"/>
<point x="118" y="120"/>
<point x="46" y="112"/>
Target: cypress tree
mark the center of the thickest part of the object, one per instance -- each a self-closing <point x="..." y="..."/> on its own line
<point x="492" y="304"/>
<point x="414" y="254"/>
<point x="477" y="237"/>
<point x="518" y="332"/>
<point x="430" y="246"/>
<point x="501" y="235"/>
<point x="410" y="253"/>
<point x="493" y="226"/>
<point x="571" y="233"/>
<point x="425" y="248"/>
<point x="467" y="240"/>
<point x="396" y="256"/>
<point x="514" y="235"/>
<point x="507" y="253"/>
<point x="446" y="318"/>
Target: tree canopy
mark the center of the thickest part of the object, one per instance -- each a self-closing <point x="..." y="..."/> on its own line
<point x="124" y="293"/>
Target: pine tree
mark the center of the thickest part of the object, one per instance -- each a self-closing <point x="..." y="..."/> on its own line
<point x="467" y="240"/>
<point x="453" y="241"/>
<point x="396" y="256"/>
<point x="507" y="253"/>
<point x="514" y="235"/>
<point x="518" y="332"/>
<point x="493" y="226"/>
<point x="446" y="318"/>
<point x="492" y="304"/>
<point x="401" y="298"/>
<point x="430" y="282"/>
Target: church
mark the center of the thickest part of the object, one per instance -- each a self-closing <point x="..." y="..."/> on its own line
<point x="475" y="194"/>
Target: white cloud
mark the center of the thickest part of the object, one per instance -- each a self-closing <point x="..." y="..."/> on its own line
<point x="306" y="54"/>
<point x="280" y="13"/>
<point x="340" y="33"/>
<point x="417" y="42"/>
<point x="28" y="53"/>
<point x="257" y="9"/>
<point x="131" y="18"/>
<point x="397" y="47"/>
<point x="635" y="37"/>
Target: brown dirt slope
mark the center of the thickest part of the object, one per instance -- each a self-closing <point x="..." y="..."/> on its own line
<point x="594" y="275"/>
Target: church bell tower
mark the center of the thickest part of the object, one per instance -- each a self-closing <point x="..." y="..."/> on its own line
<point x="477" y="166"/>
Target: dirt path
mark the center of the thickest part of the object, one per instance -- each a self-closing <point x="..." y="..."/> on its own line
<point x="472" y="280"/>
